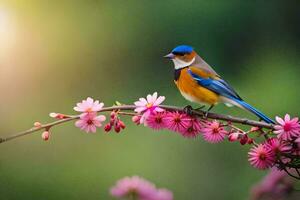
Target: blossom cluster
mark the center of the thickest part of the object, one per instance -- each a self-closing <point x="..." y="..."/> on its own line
<point x="275" y="150"/>
<point x="89" y="120"/>
<point x="138" y="188"/>
<point x="279" y="146"/>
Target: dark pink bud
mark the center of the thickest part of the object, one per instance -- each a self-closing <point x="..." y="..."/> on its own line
<point x="117" y="128"/>
<point x="121" y="124"/>
<point x="107" y="127"/>
<point x="112" y="122"/>
<point x="113" y="115"/>
<point x="244" y="139"/>
<point x="250" y="141"/>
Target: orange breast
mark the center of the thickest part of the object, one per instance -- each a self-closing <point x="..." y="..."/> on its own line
<point x="191" y="90"/>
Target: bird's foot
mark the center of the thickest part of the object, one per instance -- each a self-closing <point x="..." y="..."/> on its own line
<point x="188" y="109"/>
<point x="205" y="114"/>
<point x="200" y="108"/>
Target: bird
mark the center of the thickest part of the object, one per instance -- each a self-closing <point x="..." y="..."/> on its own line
<point x="198" y="82"/>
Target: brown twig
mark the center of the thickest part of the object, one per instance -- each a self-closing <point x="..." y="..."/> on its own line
<point x="199" y="113"/>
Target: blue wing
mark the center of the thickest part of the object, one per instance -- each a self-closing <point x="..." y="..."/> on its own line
<point x="222" y="88"/>
<point x="218" y="86"/>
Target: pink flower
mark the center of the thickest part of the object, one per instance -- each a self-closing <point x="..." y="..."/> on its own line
<point x="176" y="121"/>
<point x="89" y="121"/>
<point x="277" y="146"/>
<point x="163" y="194"/>
<point x="89" y="105"/>
<point x="261" y="157"/>
<point x="134" y="187"/>
<point x="151" y="104"/>
<point x="213" y="132"/>
<point x="288" y="128"/>
<point x="156" y="120"/>
<point x="193" y="129"/>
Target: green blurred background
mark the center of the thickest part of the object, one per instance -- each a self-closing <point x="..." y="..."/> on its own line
<point x="56" y="53"/>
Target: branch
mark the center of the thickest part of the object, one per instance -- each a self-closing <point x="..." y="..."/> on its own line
<point x="199" y="113"/>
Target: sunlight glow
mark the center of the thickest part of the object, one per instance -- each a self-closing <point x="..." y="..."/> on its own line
<point x="7" y="32"/>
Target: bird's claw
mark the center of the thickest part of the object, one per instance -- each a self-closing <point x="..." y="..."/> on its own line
<point x="205" y="114"/>
<point x="188" y="109"/>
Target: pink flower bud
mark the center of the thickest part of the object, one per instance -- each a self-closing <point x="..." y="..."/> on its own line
<point x="37" y="124"/>
<point x="250" y="141"/>
<point x="107" y="127"/>
<point x="61" y="116"/>
<point x="233" y="136"/>
<point x="112" y="122"/>
<point x="254" y="129"/>
<point x="46" y="135"/>
<point x="53" y="115"/>
<point x="58" y="115"/>
<point x="117" y="128"/>
<point x="121" y="124"/>
<point x="113" y="115"/>
<point x="136" y="119"/>
<point x="244" y="139"/>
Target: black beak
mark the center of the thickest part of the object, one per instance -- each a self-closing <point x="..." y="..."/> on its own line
<point x="170" y="56"/>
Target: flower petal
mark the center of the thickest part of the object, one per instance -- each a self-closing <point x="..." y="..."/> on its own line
<point x="100" y="118"/>
<point x="280" y="120"/>
<point x="159" y="100"/>
<point x="149" y="98"/>
<point x="287" y="117"/>
<point x="140" y="109"/>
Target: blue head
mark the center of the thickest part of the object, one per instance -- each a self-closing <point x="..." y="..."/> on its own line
<point x="182" y="49"/>
<point x="182" y="56"/>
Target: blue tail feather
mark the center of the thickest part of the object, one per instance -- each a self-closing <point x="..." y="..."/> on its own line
<point x="254" y="111"/>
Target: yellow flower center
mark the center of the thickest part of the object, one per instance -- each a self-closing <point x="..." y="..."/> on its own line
<point x="149" y="105"/>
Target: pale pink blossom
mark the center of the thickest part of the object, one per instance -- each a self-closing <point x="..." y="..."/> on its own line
<point x="89" y="105"/>
<point x="134" y="187"/>
<point x="214" y="132"/>
<point x="261" y="157"/>
<point x="148" y="105"/>
<point x="89" y="122"/>
<point x="177" y="121"/>
<point x="156" y="120"/>
<point x="288" y="128"/>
